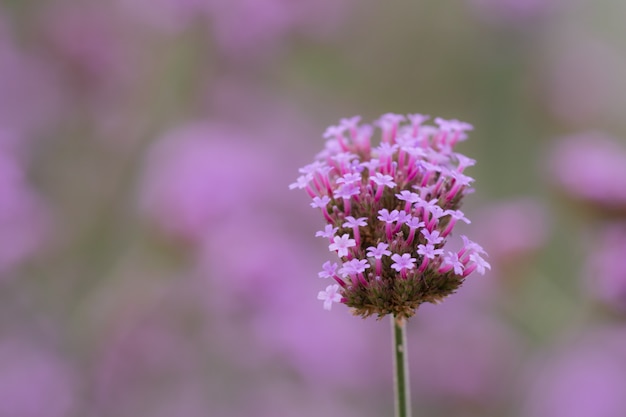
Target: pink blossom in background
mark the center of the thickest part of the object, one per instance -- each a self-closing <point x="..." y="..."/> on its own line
<point x="462" y="355"/>
<point x="201" y="175"/>
<point x="35" y="382"/>
<point x="605" y="271"/>
<point x="585" y="377"/>
<point x="590" y="167"/>
<point x="512" y="230"/>
<point x="204" y="174"/>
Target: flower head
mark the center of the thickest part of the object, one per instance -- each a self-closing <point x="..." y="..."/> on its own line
<point x="393" y="205"/>
<point x="591" y="168"/>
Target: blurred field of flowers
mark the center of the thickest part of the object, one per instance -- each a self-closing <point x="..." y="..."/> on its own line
<point x="154" y="263"/>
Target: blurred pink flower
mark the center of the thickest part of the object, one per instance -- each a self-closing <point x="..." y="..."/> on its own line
<point x="590" y="167"/>
<point x="605" y="276"/>
<point x="34" y="382"/>
<point x="201" y="175"/>
<point x="583" y="378"/>
<point x="512" y="230"/>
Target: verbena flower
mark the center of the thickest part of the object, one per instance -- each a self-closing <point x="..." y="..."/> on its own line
<point x="390" y="210"/>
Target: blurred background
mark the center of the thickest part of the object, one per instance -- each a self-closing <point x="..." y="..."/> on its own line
<point x="154" y="263"/>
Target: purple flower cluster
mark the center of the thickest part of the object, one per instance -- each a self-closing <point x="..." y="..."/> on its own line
<point x="390" y="209"/>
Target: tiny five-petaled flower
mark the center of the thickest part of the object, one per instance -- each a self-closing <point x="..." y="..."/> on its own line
<point x="329" y="296"/>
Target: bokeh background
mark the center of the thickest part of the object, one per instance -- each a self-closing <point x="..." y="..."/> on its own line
<point x="154" y="263"/>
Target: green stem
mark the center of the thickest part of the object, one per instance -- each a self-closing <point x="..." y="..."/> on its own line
<point x="400" y="368"/>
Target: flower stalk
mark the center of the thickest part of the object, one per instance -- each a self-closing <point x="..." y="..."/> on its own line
<point x="402" y="392"/>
